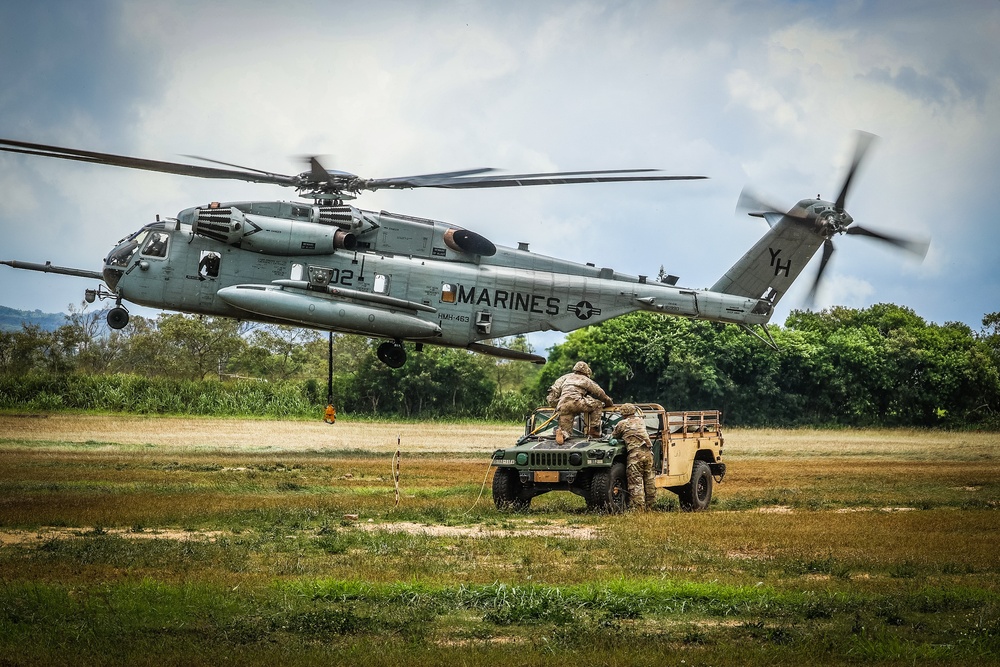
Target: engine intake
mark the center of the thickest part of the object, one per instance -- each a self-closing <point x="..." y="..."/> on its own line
<point x="274" y="236"/>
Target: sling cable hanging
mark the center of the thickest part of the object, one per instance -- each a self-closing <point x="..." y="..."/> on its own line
<point x="330" y="414"/>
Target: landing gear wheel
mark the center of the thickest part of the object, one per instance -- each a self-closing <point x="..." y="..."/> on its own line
<point x="392" y="354"/>
<point x="117" y="317"/>
<point x="697" y="494"/>
<point x="608" y="491"/>
<point x="507" y="490"/>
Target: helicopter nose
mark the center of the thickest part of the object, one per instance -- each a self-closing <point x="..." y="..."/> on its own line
<point x="111" y="277"/>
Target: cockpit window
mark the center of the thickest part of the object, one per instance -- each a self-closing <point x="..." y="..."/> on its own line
<point x="121" y="255"/>
<point x="156" y="245"/>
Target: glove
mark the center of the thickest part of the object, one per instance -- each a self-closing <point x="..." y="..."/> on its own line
<point x="608" y="403"/>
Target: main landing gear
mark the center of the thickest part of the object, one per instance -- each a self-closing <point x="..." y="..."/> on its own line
<point x="117" y="317"/>
<point x="392" y="354"/>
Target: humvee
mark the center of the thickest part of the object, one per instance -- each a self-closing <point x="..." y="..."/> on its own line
<point x="687" y="457"/>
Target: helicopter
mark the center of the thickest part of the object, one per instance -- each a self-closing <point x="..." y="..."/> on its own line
<point x="329" y="265"/>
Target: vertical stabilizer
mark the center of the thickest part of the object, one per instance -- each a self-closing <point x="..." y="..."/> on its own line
<point x="770" y="267"/>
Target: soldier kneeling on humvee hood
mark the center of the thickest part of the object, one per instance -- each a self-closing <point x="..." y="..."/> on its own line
<point x="573" y="394"/>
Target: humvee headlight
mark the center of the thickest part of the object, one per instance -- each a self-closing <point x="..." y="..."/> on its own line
<point x="522" y="459"/>
<point x="498" y="454"/>
<point x="575" y="459"/>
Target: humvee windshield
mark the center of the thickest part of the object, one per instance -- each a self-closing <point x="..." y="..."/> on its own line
<point x="543" y="421"/>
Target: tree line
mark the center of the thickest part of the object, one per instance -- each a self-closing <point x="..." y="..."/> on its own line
<point x="233" y="361"/>
<point x="879" y="366"/>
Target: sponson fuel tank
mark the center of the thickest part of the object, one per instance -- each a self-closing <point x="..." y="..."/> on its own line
<point x="309" y="310"/>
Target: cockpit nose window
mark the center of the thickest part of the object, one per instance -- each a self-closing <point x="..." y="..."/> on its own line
<point x="156" y="245"/>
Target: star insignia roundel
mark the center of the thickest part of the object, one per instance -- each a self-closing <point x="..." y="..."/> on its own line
<point x="584" y="310"/>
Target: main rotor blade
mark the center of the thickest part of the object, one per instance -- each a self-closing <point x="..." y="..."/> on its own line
<point x="518" y="180"/>
<point x="227" y="164"/>
<point x="916" y="246"/>
<point x="861" y="146"/>
<point x="334" y="181"/>
<point x="827" y="253"/>
<point x="93" y="157"/>
<point x="429" y="178"/>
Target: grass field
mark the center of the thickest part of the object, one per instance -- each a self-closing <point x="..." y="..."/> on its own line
<point x="182" y="541"/>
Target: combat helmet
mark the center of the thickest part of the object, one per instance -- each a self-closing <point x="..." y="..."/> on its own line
<point x="583" y="368"/>
<point x="627" y="409"/>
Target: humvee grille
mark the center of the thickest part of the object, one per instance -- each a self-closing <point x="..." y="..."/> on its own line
<point x="551" y="459"/>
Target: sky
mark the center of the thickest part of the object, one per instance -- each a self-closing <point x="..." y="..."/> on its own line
<point x="763" y="94"/>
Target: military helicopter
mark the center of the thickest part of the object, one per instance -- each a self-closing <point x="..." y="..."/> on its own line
<point x="328" y="265"/>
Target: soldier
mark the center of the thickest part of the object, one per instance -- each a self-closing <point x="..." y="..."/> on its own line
<point x="210" y="265"/>
<point x="639" y="466"/>
<point x="576" y="393"/>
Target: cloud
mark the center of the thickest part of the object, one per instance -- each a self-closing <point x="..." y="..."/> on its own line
<point x="765" y="93"/>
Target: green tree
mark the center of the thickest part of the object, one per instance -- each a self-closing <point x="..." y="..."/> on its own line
<point x="275" y="352"/>
<point x="197" y="346"/>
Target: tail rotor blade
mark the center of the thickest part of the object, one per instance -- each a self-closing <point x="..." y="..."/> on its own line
<point x="863" y="143"/>
<point x="916" y="247"/>
<point x="827" y="253"/>
<point x="754" y="205"/>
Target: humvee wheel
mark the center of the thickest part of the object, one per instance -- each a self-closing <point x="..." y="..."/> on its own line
<point x="608" y="490"/>
<point x="697" y="494"/>
<point x="507" y="490"/>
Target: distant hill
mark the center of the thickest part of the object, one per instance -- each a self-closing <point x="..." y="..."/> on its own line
<point x="11" y="319"/>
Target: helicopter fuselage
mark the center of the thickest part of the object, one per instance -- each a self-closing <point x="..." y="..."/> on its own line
<point x="403" y="278"/>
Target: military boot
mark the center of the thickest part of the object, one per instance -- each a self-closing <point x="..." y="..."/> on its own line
<point x="560" y="436"/>
<point x="595" y="432"/>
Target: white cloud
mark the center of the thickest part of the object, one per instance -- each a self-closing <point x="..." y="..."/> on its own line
<point x="765" y="93"/>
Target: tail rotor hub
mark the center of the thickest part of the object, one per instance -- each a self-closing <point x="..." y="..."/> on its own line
<point x="833" y="222"/>
<point x="830" y="223"/>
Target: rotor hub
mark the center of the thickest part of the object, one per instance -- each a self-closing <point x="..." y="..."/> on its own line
<point x="831" y="223"/>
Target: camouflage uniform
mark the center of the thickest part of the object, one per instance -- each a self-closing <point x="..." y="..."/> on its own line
<point x="639" y="466"/>
<point x="576" y="393"/>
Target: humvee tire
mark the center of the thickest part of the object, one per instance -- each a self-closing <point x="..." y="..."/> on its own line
<point x="507" y="490"/>
<point x="697" y="494"/>
<point x="608" y="490"/>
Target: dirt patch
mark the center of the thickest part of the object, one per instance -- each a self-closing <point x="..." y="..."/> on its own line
<point x="548" y="530"/>
<point x="16" y="537"/>
<point x="775" y="509"/>
<point x="9" y="537"/>
<point x="747" y="555"/>
<point x="847" y="510"/>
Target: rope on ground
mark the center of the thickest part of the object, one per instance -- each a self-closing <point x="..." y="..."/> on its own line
<point x="395" y="469"/>
<point x="482" y="488"/>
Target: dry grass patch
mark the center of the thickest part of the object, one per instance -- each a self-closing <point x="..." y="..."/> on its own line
<point x="254" y="435"/>
<point x="868" y="443"/>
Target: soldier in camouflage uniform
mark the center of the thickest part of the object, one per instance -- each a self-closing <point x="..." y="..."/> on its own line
<point x="639" y="466"/>
<point x="576" y="393"/>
